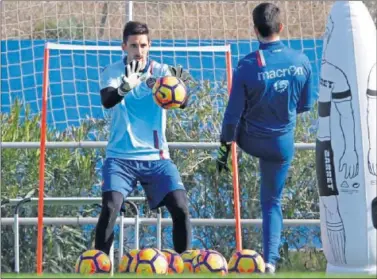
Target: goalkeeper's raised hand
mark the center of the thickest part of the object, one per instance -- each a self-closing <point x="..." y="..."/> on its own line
<point x="178" y="72"/>
<point x="222" y="157"/>
<point x="132" y="77"/>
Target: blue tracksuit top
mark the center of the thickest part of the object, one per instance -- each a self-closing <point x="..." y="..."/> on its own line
<point x="269" y="87"/>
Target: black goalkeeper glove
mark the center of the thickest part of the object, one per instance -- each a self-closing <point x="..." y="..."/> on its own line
<point x="185" y="102"/>
<point x="222" y="157"/>
<point x="178" y="72"/>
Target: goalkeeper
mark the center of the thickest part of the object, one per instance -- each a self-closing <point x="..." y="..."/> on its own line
<point x="270" y="87"/>
<point x="137" y="149"/>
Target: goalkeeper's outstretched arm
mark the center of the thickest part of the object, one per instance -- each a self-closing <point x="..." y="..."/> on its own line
<point x="110" y="97"/>
<point x="113" y="91"/>
<point x="109" y="88"/>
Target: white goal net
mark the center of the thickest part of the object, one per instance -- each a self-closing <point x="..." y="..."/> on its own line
<point x="74" y="74"/>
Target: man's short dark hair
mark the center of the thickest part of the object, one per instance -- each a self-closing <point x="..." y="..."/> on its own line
<point x="134" y="28"/>
<point x="266" y="18"/>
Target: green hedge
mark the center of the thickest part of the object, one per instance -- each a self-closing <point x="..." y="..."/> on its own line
<point x="76" y="172"/>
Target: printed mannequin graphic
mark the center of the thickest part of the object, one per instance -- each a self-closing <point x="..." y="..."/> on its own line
<point x="334" y="91"/>
<point x="346" y="139"/>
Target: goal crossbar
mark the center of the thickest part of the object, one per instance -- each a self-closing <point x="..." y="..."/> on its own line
<point x="56" y="46"/>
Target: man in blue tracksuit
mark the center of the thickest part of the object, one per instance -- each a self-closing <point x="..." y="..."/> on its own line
<point x="270" y="87"/>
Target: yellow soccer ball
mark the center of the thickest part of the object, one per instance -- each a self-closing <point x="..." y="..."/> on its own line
<point x="93" y="261"/>
<point x="246" y="261"/>
<point x="169" y="92"/>
<point x="125" y="263"/>
<point x="174" y="260"/>
<point x="210" y="261"/>
<point x="187" y="257"/>
<point x="149" y="261"/>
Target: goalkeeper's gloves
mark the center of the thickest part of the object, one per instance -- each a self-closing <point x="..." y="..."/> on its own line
<point x="185" y="103"/>
<point x="178" y="72"/>
<point x="222" y="156"/>
<point x="132" y="78"/>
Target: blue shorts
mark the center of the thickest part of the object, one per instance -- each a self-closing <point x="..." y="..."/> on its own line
<point x="158" y="178"/>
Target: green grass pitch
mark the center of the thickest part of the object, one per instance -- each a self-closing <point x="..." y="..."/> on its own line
<point x="117" y="275"/>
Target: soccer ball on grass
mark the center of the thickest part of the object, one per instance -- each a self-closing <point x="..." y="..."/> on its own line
<point x="210" y="261"/>
<point x="125" y="263"/>
<point x="93" y="261"/>
<point x="246" y="261"/>
<point x="187" y="257"/>
<point x="174" y="260"/>
<point x="149" y="261"/>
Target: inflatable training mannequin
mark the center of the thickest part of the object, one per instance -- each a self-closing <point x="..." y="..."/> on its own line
<point x="346" y="139"/>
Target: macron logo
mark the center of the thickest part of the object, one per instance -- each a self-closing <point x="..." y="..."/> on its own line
<point x="278" y="73"/>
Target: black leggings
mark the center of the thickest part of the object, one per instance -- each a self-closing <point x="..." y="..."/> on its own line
<point x="177" y="204"/>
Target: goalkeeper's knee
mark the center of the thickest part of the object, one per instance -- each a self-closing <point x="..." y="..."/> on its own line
<point x="111" y="204"/>
<point x="177" y="204"/>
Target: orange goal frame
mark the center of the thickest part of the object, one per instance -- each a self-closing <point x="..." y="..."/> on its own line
<point x="237" y="215"/>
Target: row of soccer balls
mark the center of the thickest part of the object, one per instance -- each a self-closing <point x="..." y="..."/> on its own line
<point x="166" y="261"/>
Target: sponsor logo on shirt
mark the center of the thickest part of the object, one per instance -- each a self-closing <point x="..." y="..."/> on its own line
<point x="279" y="73"/>
<point x="281" y="85"/>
